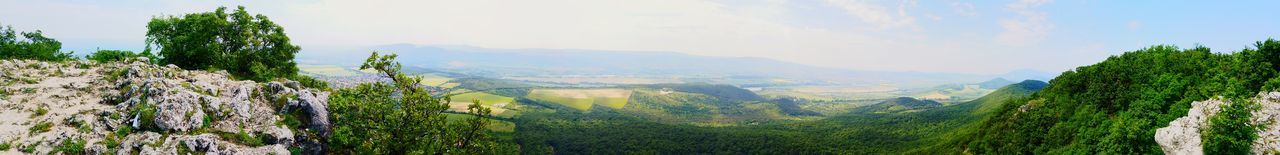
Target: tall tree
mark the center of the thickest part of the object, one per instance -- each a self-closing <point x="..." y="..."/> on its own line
<point x="35" y="46"/>
<point x="400" y="117"/>
<point x="248" y="46"/>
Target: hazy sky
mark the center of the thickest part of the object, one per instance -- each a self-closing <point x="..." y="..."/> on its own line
<point x="939" y="35"/>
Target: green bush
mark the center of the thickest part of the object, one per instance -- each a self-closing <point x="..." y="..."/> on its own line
<point x="311" y="82"/>
<point x="1229" y="132"/>
<point x="241" y="137"/>
<point x="400" y="118"/>
<point x="40" y="111"/>
<point x="247" y="46"/>
<point x="35" y="46"/>
<point x="118" y="55"/>
<point x="40" y="127"/>
<point x="70" y="146"/>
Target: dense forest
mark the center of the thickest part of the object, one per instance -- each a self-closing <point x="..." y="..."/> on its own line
<point x="1114" y="107"/>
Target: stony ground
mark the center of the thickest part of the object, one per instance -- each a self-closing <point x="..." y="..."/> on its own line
<point x="1182" y="136"/>
<point x="134" y="107"/>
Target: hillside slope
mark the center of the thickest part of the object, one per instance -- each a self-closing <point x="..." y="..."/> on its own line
<point x="1115" y="106"/>
<point x="81" y="107"/>
<point x="621" y="132"/>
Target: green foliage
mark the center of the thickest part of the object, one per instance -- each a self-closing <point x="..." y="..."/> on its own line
<point x="40" y="127"/>
<point x="119" y="55"/>
<point x="401" y="117"/>
<point x="243" y="138"/>
<point x="29" y="148"/>
<point x="31" y="45"/>
<point x="247" y="46"/>
<point x="146" y="115"/>
<point x="40" y="111"/>
<point x="111" y="141"/>
<point x="607" y="131"/>
<point x="5" y="146"/>
<point x="124" y="130"/>
<point x="1115" y="106"/>
<point x="1229" y="132"/>
<point x="70" y="146"/>
<point x="311" y="82"/>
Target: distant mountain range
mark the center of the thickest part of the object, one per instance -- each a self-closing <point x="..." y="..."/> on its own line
<point x="575" y="62"/>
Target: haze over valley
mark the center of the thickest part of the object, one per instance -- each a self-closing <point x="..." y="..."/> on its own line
<point x="639" y="77"/>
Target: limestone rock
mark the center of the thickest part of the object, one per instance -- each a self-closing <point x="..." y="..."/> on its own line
<point x="1182" y="136"/>
<point x="165" y="109"/>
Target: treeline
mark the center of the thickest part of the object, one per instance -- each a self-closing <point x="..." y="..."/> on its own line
<point x="1115" y="106"/>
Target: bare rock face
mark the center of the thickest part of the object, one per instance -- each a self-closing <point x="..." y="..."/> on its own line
<point x="1267" y="116"/>
<point x="1182" y="136"/>
<point x="139" y="108"/>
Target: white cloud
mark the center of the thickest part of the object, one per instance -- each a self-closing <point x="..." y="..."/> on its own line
<point x="1134" y="25"/>
<point x="964" y="9"/>
<point x="1028" y="27"/>
<point x="880" y="16"/>
<point x="767" y="29"/>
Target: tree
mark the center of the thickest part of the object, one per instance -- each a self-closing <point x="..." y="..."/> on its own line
<point x="400" y="117"/>
<point x="249" y="47"/>
<point x="117" y="55"/>
<point x="35" y="46"/>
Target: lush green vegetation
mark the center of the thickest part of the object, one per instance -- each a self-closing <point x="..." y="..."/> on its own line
<point x="900" y="104"/>
<point x="610" y="131"/>
<point x="1114" y="107"/>
<point x="31" y="45"/>
<point x="401" y="118"/>
<point x="247" y="46"/>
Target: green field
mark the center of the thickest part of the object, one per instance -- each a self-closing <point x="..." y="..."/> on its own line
<point x="611" y="102"/>
<point x="437" y="80"/>
<point x="583" y="99"/>
<point x="494" y="125"/>
<point x="497" y="103"/>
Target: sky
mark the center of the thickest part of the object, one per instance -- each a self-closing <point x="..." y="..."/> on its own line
<point x="955" y="36"/>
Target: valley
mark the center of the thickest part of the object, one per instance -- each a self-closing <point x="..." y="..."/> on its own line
<point x="569" y="77"/>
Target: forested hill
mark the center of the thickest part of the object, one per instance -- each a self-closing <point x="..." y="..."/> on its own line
<point x="1115" y="106"/>
<point x="604" y="132"/>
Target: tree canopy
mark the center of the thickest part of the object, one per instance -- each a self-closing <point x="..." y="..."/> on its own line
<point x="1115" y="106"/>
<point x="401" y="117"/>
<point x="117" y="55"/>
<point x="30" y="45"/>
<point x="247" y="46"/>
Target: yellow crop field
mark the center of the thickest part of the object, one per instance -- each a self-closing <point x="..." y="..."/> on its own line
<point x="583" y="99"/>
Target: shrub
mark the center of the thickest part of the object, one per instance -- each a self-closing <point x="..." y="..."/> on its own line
<point x="311" y="82"/>
<point x="40" y="111"/>
<point x="40" y="127"/>
<point x="400" y="118"/>
<point x="70" y="146"/>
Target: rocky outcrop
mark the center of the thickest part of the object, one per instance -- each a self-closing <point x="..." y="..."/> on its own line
<point x="135" y="107"/>
<point x="1182" y="136"/>
<point x="1267" y="118"/>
